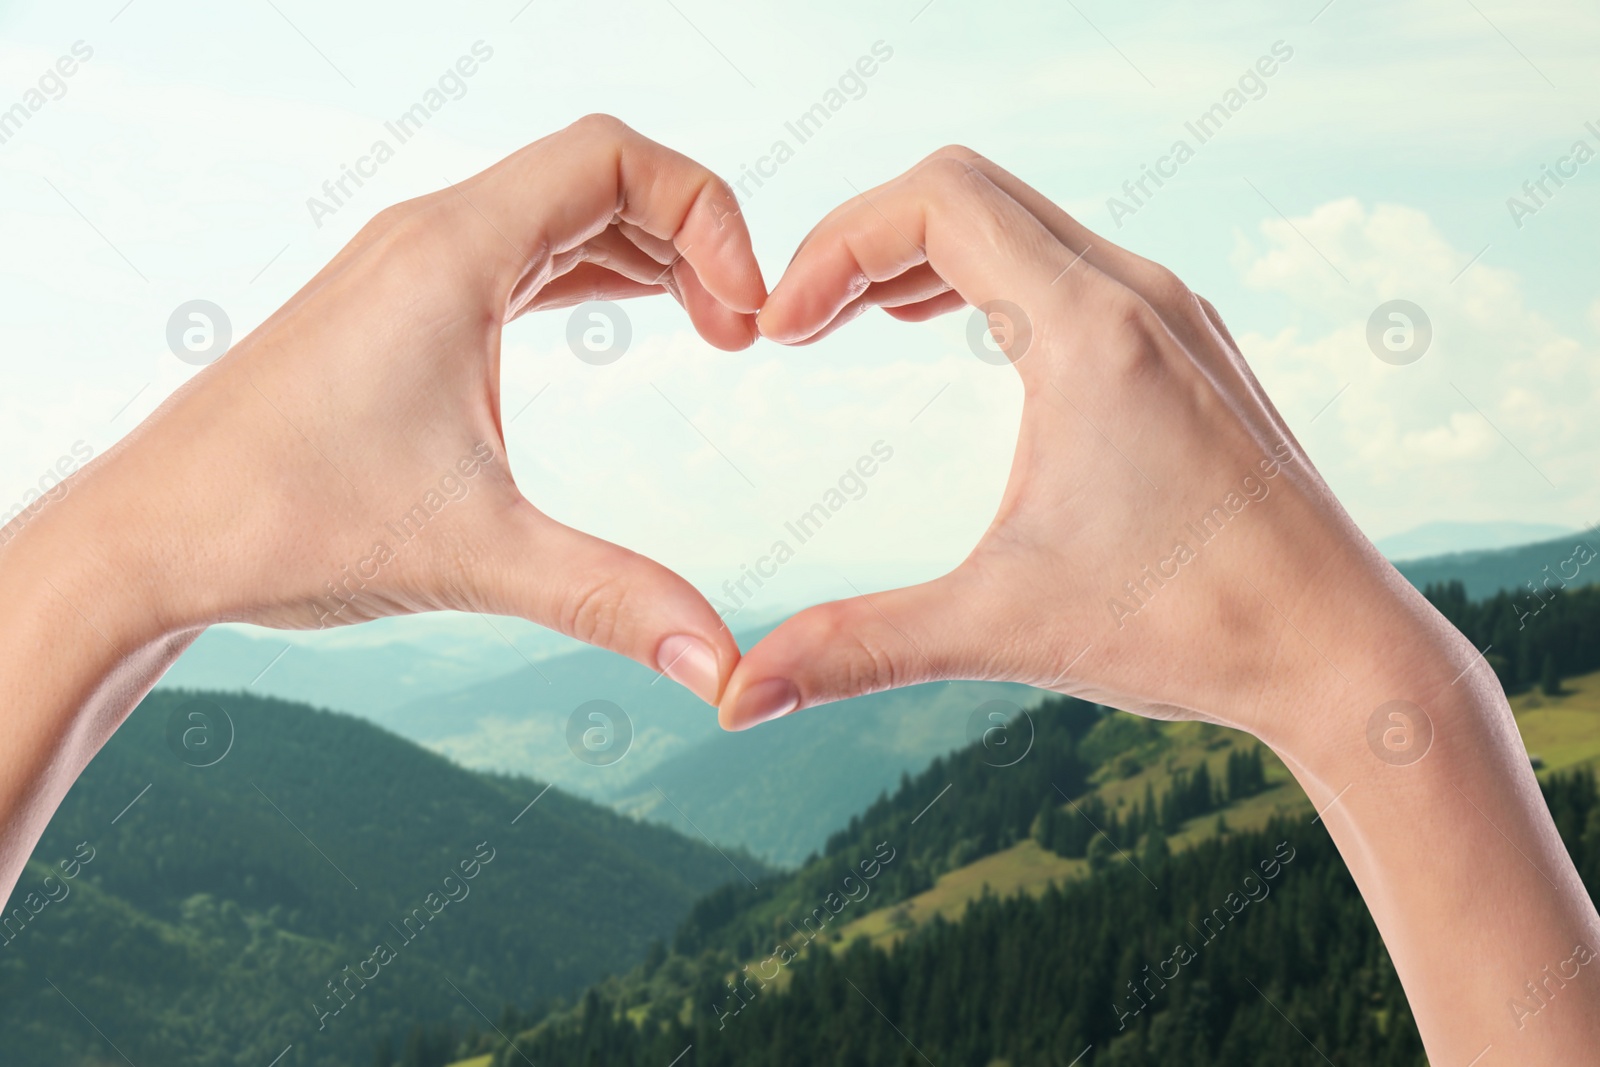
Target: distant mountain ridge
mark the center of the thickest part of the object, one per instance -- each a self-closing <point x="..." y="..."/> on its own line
<point x="778" y="791"/>
<point x="1573" y="560"/>
<point x="1448" y="538"/>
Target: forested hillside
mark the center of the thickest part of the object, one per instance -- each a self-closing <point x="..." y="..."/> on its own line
<point x="1115" y="838"/>
<point x="218" y="914"/>
<point x="1532" y="637"/>
<point x="1250" y="949"/>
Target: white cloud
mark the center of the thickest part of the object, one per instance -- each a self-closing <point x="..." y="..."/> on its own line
<point x="1500" y="401"/>
<point x="196" y="163"/>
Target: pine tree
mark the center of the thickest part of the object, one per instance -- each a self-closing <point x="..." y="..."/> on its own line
<point x="1155" y="851"/>
<point x="1099" y="853"/>
<point x="1201" y="792"/>
<point x="1549" y="680"/>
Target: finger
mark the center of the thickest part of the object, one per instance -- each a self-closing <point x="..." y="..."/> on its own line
<point x="1132" y="270"/>
<point x="720" y="325"/>
<point x="605" y="595"/>
<point x="614" y="249"/>
<point x="662" y="251"/>
<point x="932" y="308"/>
<point x="620" y="263"/>
<point x="914" y="286"/>
<point x="952" y="217"/>
<point x="851" y="647"/>
<point x="1188" y="316"/>
<point x="613" y="267"/>
<point x="586" y="282"/>
<point x="561" y="191"/>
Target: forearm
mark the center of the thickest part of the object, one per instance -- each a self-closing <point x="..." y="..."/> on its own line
<point x="1451" y="844"/>
<point x="81" y="642"/>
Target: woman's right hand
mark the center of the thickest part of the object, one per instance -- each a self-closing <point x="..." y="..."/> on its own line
<point x="1165" y="546"/>
<point x="1163" y="540"/>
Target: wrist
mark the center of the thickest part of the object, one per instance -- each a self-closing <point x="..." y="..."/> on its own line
<point x="1417" y="771"/>
<point x="90" y="559"/>
<point x="1382" y="675"/>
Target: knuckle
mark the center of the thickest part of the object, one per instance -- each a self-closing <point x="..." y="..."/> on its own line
<point x="391" y="217"/>
<point x="1167" y="290"/>
<point x="944" y="170"/>
<point x="958" y="152"/>
<point x="409" y="218"/>
<point x="600" y="124"/>
<point x="869" y="667"/>
<point x="410" y="235"/>
<point x="863" y="663"/>
<point x="593" y="608"/>
<point x="718" y="192"/>
<point x="1133" y="327"/>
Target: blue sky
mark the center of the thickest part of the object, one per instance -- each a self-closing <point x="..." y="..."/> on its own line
<point x="1376" y="164"/>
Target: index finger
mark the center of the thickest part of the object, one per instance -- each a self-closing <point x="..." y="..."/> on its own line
<point x="945" y="213"/>
<point x="564" y="189"/>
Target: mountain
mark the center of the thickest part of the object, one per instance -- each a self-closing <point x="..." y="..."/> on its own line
<point x="777" y="792"/>
<point x="367" y="670"/>
<point x="780" y="790"/>
<point x="1112" y="840"/>
<point x="468" y="694"/>
<point x="1444" y="538"/>
<point x="234" y="876"/>
<point x="940" y="928"/>
<point x="1574" y="560"/>
<point x="519" y="720"/>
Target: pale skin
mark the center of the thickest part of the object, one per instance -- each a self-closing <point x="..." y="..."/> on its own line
<point x="271" y="474"/>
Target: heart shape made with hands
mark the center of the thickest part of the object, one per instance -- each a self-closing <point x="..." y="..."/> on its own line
<point x="1156" y="507"/>
<point x="1105" y="572"/>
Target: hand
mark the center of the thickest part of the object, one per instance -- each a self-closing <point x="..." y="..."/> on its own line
<point x="1160" y="525"/>
<point x="363" y="418"/>
<point x="1164" y="545"/>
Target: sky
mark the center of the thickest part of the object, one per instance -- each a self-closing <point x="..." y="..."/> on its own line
<point x="1376" y="163"/>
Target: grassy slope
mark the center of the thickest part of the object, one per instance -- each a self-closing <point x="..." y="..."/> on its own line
<point x="1563" y="731"/>
<point x="1028" y="868"/>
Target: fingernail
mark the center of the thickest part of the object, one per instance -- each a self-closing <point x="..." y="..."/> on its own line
<point x="762" y="319"/>
<point x="690" y="662"/>
<point x="765" y="701"/>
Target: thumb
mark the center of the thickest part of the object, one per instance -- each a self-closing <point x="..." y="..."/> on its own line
<point x="606" y="595"/>
<point x="921" y="633"/>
